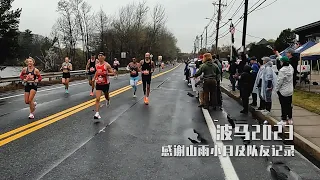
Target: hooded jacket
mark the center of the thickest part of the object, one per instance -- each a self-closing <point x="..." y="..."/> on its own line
<point x="209" y="70"/>
<point x="285" y="81"/>
<point x="246" y="82"/>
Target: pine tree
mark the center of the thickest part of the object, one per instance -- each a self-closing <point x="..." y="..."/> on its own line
<point x="9" y="24"/>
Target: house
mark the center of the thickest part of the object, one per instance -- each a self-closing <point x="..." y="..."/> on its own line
<point x="309" y="32"/>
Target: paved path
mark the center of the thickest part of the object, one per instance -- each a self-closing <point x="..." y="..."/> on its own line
<point x="306" y="123"/>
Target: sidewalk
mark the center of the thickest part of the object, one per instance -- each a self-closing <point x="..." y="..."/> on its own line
<point x="306" y="124"/>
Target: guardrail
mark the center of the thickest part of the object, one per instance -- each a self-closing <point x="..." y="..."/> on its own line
<point x="47" y="75"/>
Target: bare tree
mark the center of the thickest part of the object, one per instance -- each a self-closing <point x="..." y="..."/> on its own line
<point x="67" y="26"/>
<point x="158" y="21"/>
<point x="102" y="21"/>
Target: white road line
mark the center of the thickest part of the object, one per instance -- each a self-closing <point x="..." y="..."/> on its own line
<point x="41" y="91"/>
<point x="227" y="166"/>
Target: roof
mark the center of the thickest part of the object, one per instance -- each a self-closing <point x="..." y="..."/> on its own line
<point x="263" y="42"/>
<point x="308" y="26"/>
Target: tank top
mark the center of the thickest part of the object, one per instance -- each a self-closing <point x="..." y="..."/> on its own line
<point x="30" y="76"/>
<point x="65" y="67"/>
<point x="115" y="63"/>
<point x="133" y="67"/>
<point x="92" y="67"/>
<point x="146" y="67"/>
<point x="102" y="77"/>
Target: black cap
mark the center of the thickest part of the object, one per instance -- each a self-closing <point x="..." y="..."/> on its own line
<point x="92" y="54"/>
<point x="101" y="53"/>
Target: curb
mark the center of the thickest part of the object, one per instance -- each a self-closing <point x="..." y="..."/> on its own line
<point x="307" y="146"/>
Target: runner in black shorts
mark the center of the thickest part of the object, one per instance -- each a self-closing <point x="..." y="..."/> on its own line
<point x="147" y="68"/>
<point x="103" y="71"/>
<point x="91" y="70"/>
<point x="66" y="68"/>
<point x="30" y="76"/>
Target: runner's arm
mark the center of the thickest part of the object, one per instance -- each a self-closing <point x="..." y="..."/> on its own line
<point x="110" y="72"/>
<point x="141" y="63"/>
<point x="23" y="72"/>
<point x="70" y="67"/>
<point x="87" y="66"/>
<point x="152" y="66"/>
<point x="128" y="67"/>
<point x="37" y="73"/>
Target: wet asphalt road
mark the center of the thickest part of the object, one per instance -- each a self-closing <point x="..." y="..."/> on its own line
<point x="127" y="143"/>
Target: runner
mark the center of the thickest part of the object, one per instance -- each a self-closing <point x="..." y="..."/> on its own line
<point x="30" y="76"/>
<point x="134" y="69"/>
<point x="103" y="71"/>
<point x="147" y="68"/>
<point x="116" y="65"/>
<point x="91" y="65"/>
<point x="66" y="68"/>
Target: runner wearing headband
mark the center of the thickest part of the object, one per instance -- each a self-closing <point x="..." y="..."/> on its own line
<point x="66" y="68"/>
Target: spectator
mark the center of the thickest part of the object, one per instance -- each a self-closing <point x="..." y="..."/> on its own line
<point x="210" y="72"/>
<point x="246" y="86"/>
<point x="255" y="69"/>
<point x="265" y="83"/>
<point x="186" y="71"/>
<point x="294" y="63"/>
<point x="219" y="77"/>
<point x="284" y="89"/>
<point x="233" y="71"/>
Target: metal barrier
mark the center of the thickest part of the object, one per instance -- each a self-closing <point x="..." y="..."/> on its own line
<point x="47" y="75"/>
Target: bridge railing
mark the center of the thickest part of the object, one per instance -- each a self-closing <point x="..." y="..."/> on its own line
<point x="50" y="75"/>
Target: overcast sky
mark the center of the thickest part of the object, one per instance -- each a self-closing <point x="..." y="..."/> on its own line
<point x="186" y="18"/>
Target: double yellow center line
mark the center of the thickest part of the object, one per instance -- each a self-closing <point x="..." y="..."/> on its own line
<point x="34" y="126"/>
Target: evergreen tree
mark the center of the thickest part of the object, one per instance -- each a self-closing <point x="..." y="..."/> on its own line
<point x="9" y="24"/>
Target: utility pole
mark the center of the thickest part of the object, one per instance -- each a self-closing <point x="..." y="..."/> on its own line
<point x="206" y="37"/>
<point x="218" y="23"/>
<point x="246" y="4"/>
<point x="232" y="31"/>
<point x="201" y="42"/>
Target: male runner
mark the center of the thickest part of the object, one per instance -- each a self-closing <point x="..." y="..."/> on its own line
<point x="134" y="69"/>
<point x="30" y="76"/>
<point x="103" y="71"/>
<point x="91" y="70"/>
<point x="66" y="68"/>
<point x="147" y="68"/>
<point x="116" y="65"/>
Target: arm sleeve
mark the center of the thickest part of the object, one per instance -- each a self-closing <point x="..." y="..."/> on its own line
<point x="39" y="77"/>
<point x="22" y="75"/>
<point x="280" y="81"/>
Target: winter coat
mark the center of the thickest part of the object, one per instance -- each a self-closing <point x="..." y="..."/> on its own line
<point x="246" y="82"/>
<point x="209" y="70"/>
<point x="285" y="81"/>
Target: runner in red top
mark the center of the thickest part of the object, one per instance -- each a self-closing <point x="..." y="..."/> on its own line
<point x="103" y="71"/>
<point x="30" y="76"/>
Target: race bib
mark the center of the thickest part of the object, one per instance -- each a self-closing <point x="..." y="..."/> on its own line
<point x="133" y="72"/>
<point x="91" y="69"/>
<point x="100" y="80"/>
<point x="146" y="72"/>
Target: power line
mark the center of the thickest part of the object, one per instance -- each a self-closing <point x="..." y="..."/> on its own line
<point x="254" y="4"/>
<point x="267" y="5"/>
<point x="257" y="6"/>
<point x="234" y="1"/>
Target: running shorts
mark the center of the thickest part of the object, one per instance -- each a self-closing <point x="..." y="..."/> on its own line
<point x="116" y="68"/>
<point x="146" y="79"/>
<point x="134" y="81"/>
<point x="90" y="76"/>
<point x="28" y="87"/>
<point x="65" y="75"/>
<point x="104" y="88"/>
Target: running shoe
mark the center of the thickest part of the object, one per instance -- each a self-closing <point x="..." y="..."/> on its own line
<point x="97" y="116"/>
<point x="91" y="93"/>
<point x="147" y="101"/>
<point x="134" y="96"/>
<point x="108" y="103"/>
<point x="31" y="116"/>
<point x="290" y="122"/>
<point x="282" y="122"/>
<point x="67" y="92"/>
